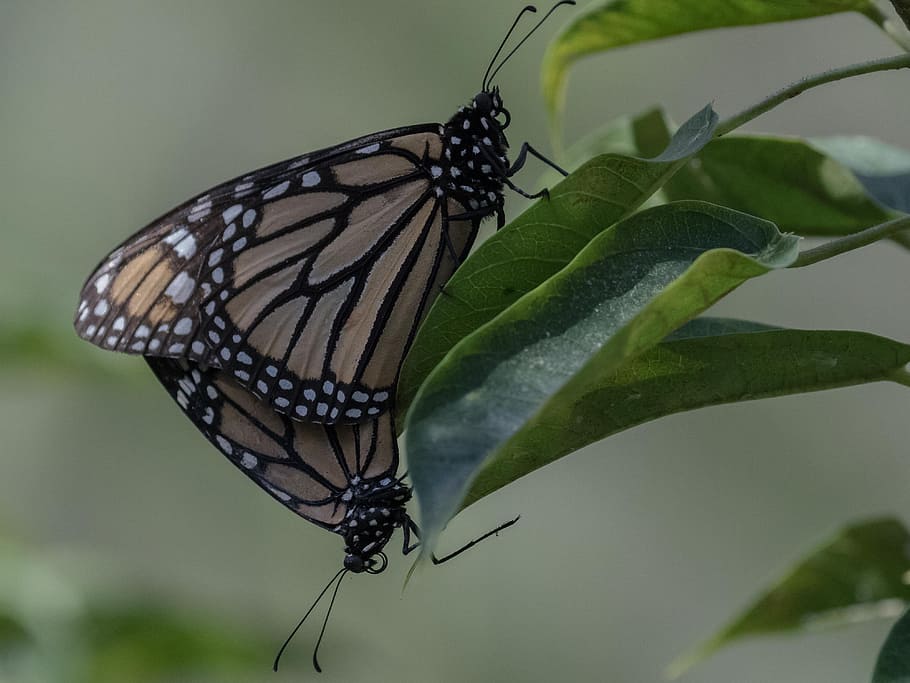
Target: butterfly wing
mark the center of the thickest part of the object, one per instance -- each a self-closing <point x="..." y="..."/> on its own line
<point x="305" y="281"/>
<point x="309" y="468"/>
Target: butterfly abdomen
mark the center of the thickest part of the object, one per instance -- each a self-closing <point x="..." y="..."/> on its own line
<point x="377" y="509"/>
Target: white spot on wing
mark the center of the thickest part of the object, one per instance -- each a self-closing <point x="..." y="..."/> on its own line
<point x="183" y="326"/>
<point x="281" y="495"/>
<point x="102" y="307"/>
<point x="102" y="282"/>
<point x="176" y="236"/>
<point x="232" y="213"/>
<point x="369" y="149"/>
<point x="277" y="191"/>
<point x="186" y="247"/>
<point x="181" y="288"/>
<point x="311" y="179"/>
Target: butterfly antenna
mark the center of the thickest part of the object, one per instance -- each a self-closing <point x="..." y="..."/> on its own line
<point x="326" y="621"/>
<point x="527" y="8"/>
<point x="300" y="623"/>
<point x="529" y="34"/>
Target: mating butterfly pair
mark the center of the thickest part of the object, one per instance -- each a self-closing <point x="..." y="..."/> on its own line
<point x="277" y="307"/>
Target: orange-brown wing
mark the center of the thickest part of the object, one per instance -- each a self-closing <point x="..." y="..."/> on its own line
<point x="309" y="468"/>
<point x="307" y="290"/>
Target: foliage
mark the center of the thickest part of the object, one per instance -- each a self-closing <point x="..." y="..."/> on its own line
<point x="580" y="318"/>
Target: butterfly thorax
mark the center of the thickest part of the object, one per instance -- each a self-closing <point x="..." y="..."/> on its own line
<point x="376" y="510"/>
<point x="474" y="160"/>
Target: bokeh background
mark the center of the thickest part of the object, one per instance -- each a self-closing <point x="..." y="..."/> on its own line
<point x="628" y="552"/>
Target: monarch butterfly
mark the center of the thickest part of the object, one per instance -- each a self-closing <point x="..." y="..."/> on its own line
<point x="342" y="478"/>
<point x="277" y="308"/>
<point x="305" y="281"/>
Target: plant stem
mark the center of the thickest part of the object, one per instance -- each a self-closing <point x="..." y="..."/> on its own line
<point x="889" y="26"/>
<point x="801" y="86"/>
<point x="851" y="242"/>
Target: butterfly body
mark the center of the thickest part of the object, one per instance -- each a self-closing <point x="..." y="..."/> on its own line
<point x="377" y="510"/>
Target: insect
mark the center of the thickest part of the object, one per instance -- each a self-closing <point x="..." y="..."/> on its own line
<point x="342" y="478"/>
<point x="277" y="307"/>
<point x="305" y="281"/>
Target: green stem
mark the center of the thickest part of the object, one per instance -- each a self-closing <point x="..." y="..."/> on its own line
<point x="801" y="86"/>
<point x="851" y="242"/>
<point x="889" y="26"/>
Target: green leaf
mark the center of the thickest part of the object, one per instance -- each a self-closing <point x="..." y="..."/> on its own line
<point x="708" y="361"/>
<point x="612" y="24"/>
<point x="859" y="574"/>
<point x="820" y="187"/>
<point x="893" y="665"/>
<point x="786" y="181"/>
<point x="628" y="289"/>
<point x="542" y="241"/>
<point x="884" y="170"/>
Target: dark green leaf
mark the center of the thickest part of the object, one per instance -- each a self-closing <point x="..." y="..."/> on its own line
<point x="782" y="180"/>
<point x="542" y="241"/>
<point x="859" y="574"/>
<point x="612" y="24"/>
<point x="707" y="362"/>
<point x="893" y="664"/>
<point x="821" y="187"/>
<point x="626" y="291"/>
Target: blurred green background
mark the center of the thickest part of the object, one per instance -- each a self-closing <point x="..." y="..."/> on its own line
<point x="627" y="553"/>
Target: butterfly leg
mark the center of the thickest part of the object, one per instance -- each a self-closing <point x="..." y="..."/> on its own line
<point x="523" y="157"/>
<point x="494" y="532"/>
<point x="411" y="527"/>
<point x="504" y="174"/>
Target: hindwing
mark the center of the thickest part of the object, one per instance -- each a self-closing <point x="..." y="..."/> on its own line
<point x="314" y="470"/>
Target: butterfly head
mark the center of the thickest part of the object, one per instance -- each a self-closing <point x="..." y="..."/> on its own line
<point x="488" y="104"/>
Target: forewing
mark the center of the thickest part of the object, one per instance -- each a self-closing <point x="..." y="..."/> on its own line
<point x="304" y="281"/>
<point x="309" y="468"/>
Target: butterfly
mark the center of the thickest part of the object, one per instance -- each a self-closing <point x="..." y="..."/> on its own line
<point x="305" y="281"/>
<point x="342" y="478"/>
